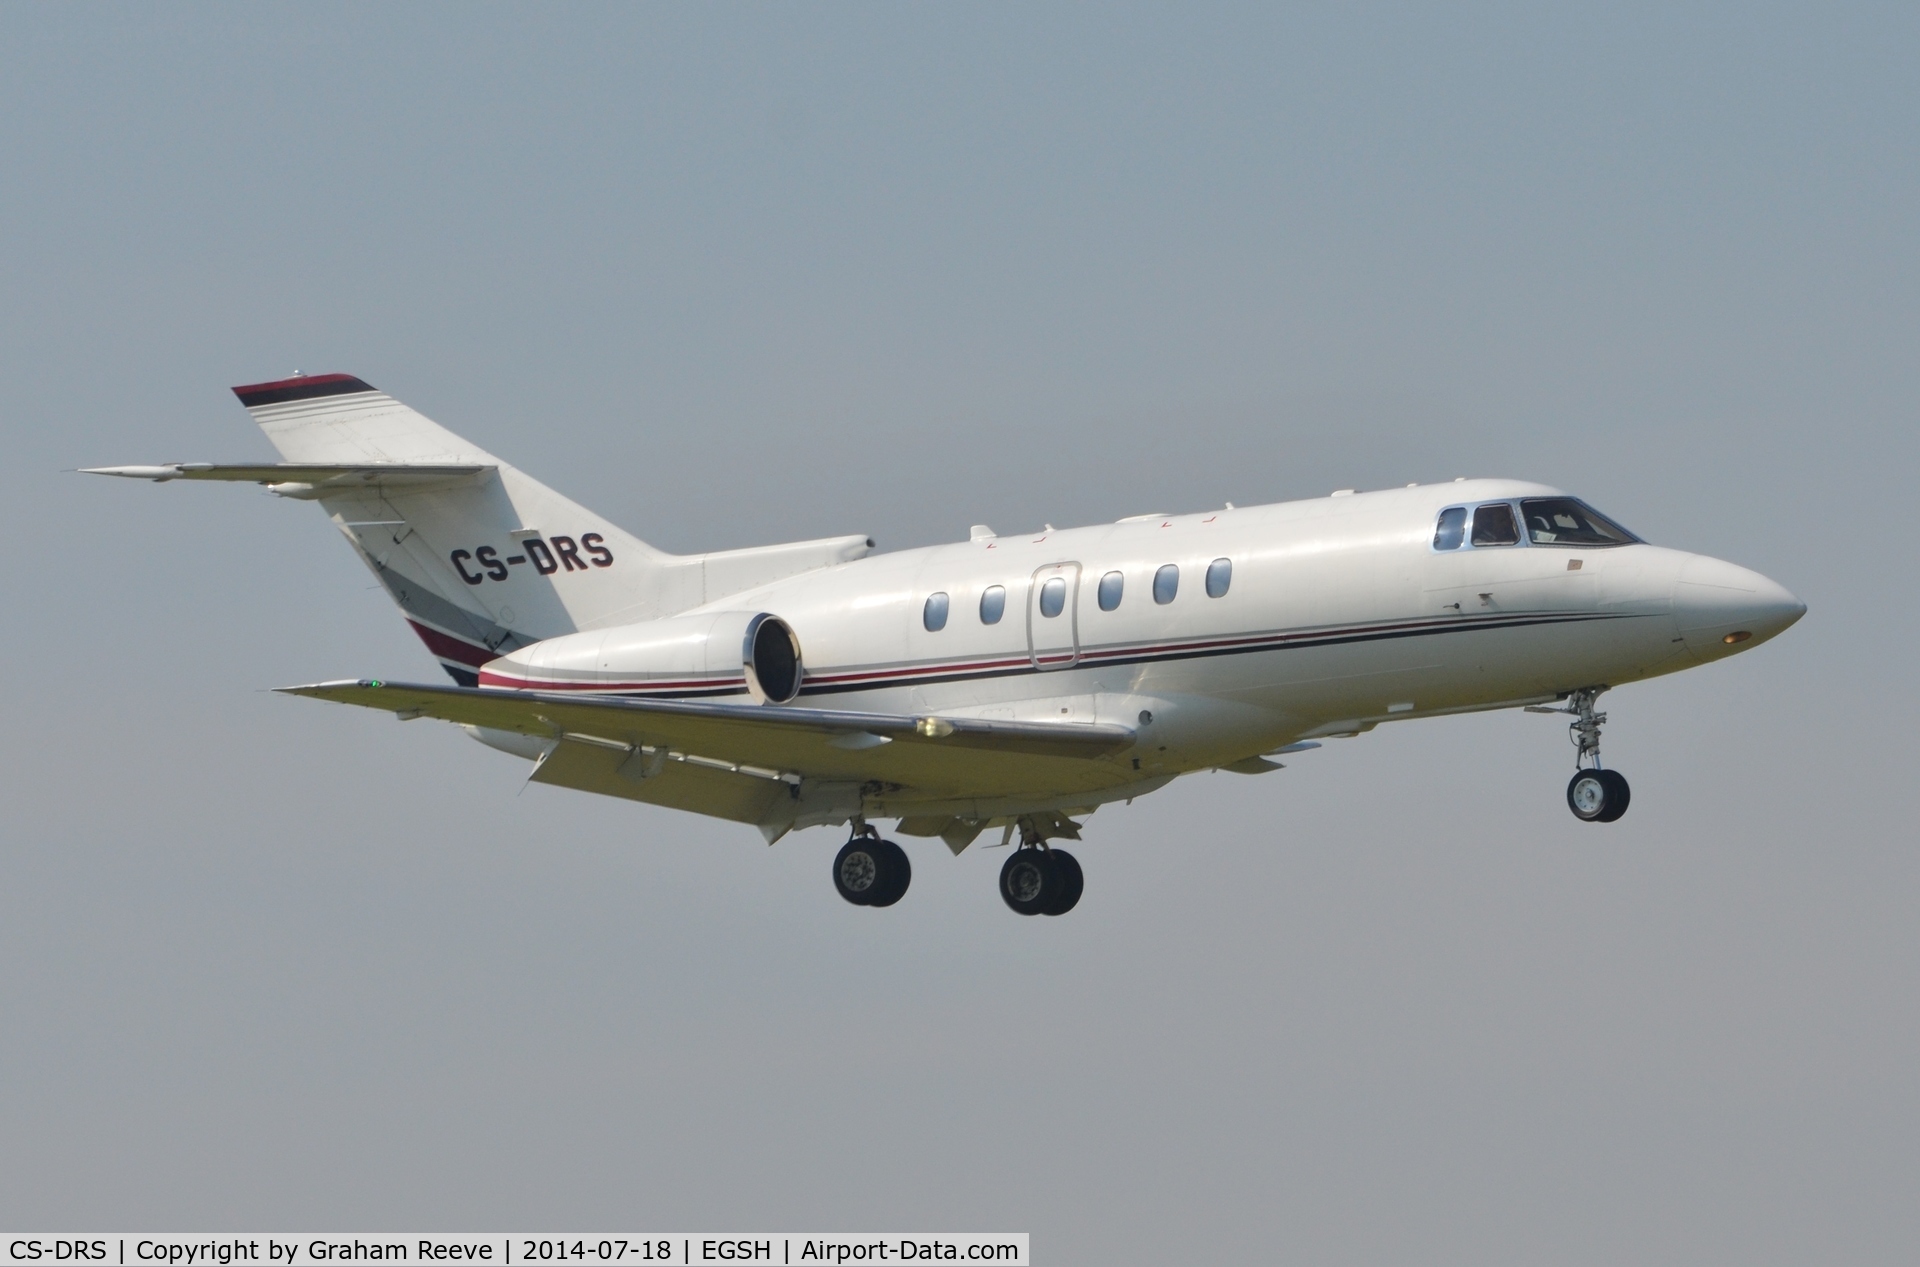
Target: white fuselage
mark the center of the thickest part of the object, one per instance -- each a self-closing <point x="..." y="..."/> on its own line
<point x="1015" y="682"/>
<point x="1340" y="613"/>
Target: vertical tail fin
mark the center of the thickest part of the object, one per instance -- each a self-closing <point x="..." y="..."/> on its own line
<point x="481" y="558"/>
<point x="479" y="564"/>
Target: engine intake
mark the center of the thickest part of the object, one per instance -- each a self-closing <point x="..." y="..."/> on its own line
<point x="770" y="657"/>
<point x="712" y="653"/>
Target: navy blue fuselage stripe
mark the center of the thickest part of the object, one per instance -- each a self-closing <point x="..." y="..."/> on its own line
<point x="1282" y="642"/>
<point x="1288" y="642"/>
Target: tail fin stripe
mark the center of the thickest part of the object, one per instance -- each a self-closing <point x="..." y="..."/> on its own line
<point x="255" y="394"/>
<point x="421" y="604"/>
<point x="449" y="648"/>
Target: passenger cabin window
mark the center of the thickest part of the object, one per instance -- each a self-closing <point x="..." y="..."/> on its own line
<point x="1452" y="528"/>
<point x="1562" y="521"/>
<point x="1493" y="526"/>
<point x="934" y="615"/>
<point x="993" y="604"/>
<point x="1053" y="597"/>
<point x="1110" y="586"/>
<point x="1219" y="576"/>
<point x="1166" y="583"/>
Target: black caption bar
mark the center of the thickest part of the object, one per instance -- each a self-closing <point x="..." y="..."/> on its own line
<point x="637" y="1249"/>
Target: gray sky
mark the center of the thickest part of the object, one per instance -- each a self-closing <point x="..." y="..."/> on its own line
<point x="737" y="275"/>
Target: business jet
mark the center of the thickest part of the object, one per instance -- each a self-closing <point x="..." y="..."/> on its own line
<point x="1017" y="682"/>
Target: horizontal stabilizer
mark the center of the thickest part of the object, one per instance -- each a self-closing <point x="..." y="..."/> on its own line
<point x="316" y="477"/>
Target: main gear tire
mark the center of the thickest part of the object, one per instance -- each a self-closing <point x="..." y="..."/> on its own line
<point x="1072" y="882"/>
<point x="896" y="874"/>
<point x="1029" y="881"/>
<point x="859" y="870"/>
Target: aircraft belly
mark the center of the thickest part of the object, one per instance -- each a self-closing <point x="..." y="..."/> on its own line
<point x="1210" y="705"/>
<point x="1439" y="671"/>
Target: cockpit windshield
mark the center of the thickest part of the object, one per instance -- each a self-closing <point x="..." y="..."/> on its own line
<point x="1563" y="521"/>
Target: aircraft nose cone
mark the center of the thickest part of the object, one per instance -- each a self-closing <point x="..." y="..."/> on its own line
<point x="1724" y="608"/>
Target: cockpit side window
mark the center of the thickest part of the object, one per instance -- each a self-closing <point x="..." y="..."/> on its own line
<point x="1493" y="525"/>
<point x="1452" y="528"/>
<point x="1562" y="521"/>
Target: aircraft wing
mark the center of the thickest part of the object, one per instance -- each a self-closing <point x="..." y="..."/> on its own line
<point x="743" y="761"/>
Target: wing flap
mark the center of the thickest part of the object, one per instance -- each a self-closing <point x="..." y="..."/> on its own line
<point x="674" y="784"/>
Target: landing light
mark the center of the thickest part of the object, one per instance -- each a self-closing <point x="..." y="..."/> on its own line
<point x="1737" y="636"/>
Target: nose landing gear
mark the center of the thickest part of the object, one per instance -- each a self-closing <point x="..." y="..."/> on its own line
<point x="1594" y="795"/>
<point x="869" y="871"/>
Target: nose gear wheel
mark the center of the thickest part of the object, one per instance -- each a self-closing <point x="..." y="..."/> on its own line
<point x="1598" y="796"/>
<point x="1595" y="795"/>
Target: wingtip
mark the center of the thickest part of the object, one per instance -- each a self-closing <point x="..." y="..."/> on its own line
<point x="314" y="688"/>
<point x="156" y="473"/>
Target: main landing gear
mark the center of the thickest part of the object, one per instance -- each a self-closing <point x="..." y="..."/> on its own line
<point x="1594" y="795"/>
<point x="869" y="871"/>
<point x="1038" y="880"/>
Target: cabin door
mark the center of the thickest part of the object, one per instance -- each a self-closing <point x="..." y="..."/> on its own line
<point x="1053" y="630"/>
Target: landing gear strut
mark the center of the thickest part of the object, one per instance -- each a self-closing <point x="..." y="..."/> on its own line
<point x="1037" y="880"/>
<point x="1595" y="795"/>
<point x="869" y="871"/>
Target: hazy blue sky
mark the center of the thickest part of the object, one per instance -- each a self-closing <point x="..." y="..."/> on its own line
<point x="737" y="275"/>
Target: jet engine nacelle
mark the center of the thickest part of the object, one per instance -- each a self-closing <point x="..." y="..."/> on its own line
<point x="710" y="653"/>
